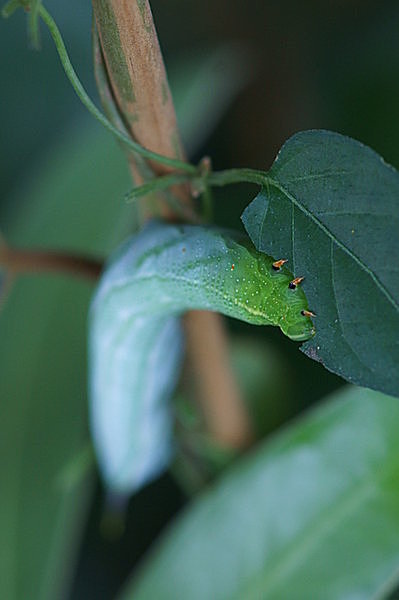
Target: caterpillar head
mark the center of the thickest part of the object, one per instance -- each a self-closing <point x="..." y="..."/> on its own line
<point x="285" y="303"/>
<point x="297" y="323"/>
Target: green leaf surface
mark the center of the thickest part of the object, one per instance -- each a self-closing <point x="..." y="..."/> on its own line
<point x="73" y="201"/>
<point x="332" y="209"/>
<point x="312" y="514"/>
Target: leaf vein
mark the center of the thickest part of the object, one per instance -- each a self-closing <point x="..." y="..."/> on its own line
<point x="325" y="229"/>
<point x="319" y="175"/>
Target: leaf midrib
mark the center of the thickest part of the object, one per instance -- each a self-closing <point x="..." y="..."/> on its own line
<point x="329" y="234"/>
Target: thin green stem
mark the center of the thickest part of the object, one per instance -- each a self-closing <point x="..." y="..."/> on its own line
<point x="156" y="185"/>
<point x="207" y="202"/>
<point x="33" y="23"/>
<point x="10" y="7"/>
<point x="204" y="182"/>
<point x="211" y="179"/>
<point x="230" y="176"/>
<point x="81" y="92"/>
<point x="162" y="184"/>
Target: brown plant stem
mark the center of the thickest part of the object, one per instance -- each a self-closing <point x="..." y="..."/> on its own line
<point x="140" y="88"/>
<point x="17" y="262"/>
<point x="221" y="402"/>
<point x="135" y="69"/>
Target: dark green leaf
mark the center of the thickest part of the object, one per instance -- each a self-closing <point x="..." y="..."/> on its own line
<point x="333" y="211"/>
<point x="313" y="514"/>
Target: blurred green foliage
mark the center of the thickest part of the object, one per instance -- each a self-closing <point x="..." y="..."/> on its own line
<point x="43" y="360"/>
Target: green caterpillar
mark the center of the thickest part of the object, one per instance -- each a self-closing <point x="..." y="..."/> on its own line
<point x="136" y="342"/>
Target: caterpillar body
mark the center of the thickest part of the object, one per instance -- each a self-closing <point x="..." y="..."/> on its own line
<point x="135" y="337"/>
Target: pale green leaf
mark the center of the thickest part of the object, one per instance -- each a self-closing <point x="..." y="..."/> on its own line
<point x="312" y="514"/>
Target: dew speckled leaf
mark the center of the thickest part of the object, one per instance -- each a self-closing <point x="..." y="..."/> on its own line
<point x="332" y="209"/>
<point x="312" y="514"/>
